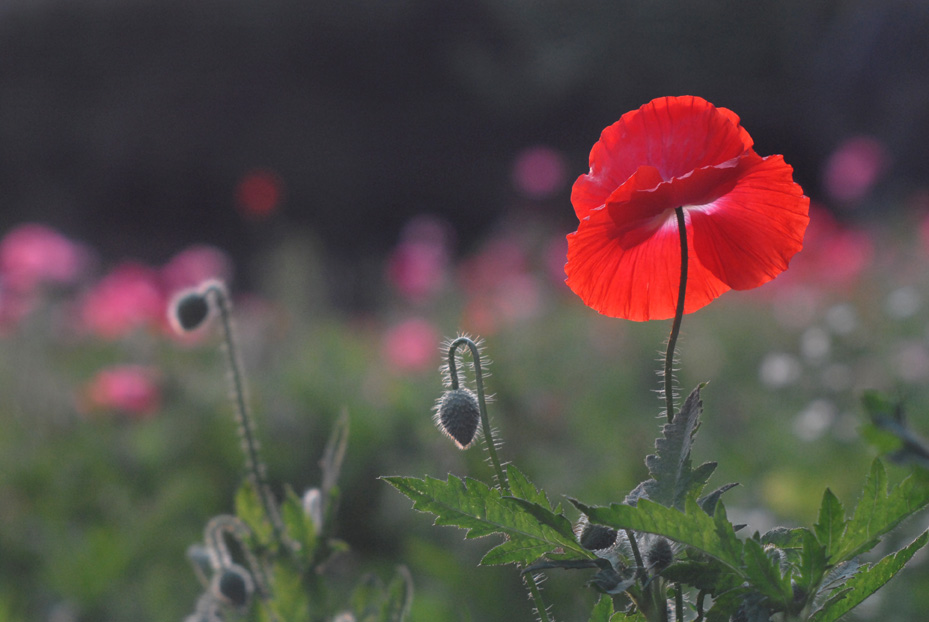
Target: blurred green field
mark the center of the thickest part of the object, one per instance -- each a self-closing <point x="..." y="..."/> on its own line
<point x="97" y="506"/>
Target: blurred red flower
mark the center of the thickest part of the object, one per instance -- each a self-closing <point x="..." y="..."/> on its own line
<point x="259" y="192"/>
<point x="745" y="216"/>
<point x="129" y="389"/>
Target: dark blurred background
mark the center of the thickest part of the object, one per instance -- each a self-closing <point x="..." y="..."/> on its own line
<point x="130" y="124"/>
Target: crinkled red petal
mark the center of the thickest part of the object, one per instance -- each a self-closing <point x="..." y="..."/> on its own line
<point x="674" y="135"/>
<point x="747" y="236"/>
<point x="640" y="205"/>
<point x="638" y="283"/>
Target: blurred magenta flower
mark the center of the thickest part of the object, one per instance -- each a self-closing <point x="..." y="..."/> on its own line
<point x="854" y="167"/>
<point x="129" y="297"/>
<point x="411" y="345"/>
<point x="418" y="266"/>
<point x="259" y="193"/>
<point x="539" y="172"/>
<point x="32" y="254"/>
<point x="194" y="265"/>
<point x="500" y="284"/>
<point x="833" y="256"/>
<point x="128" y="389"/>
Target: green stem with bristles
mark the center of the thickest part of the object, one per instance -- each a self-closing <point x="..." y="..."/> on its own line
<point x="482" y="403"/>
<point x="502" y="482"/>
<point x="253" y="463"/>
<point x="678" y="316"/>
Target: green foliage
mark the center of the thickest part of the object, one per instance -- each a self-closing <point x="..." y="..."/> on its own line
<point x="673" y="479"/>
<point x="530" y="526"/>
<point x="866" y="581"/>
<point x="787" y="571"/>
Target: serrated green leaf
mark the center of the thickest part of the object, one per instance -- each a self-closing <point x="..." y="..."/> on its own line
<point x="713" y="536"/>
<point x="706" y="575"/>
<point x="831" y="524"/>
<point x="472" y="505"/>
<point x="522" y="488"/>
<point x="603" y="610"/>
<point x="812" y="565"/>
<point x="878" y="511"/>
<point x="868" y="580"/>
<point x="708" y="503"/>
<point x="672" y="478"/>
<point x="764" y="574"/>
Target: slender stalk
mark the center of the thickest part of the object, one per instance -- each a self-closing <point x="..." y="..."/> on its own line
<point x="482" y="403"/>
<point x="500" y="476"/>
<point x="678" y="602"/>
<point x="678" y="316"/>
<point x="254" y="466"/>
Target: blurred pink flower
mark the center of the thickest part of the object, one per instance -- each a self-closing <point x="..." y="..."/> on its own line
<point x="418" y="266"/>
<point x="854" y="167"/>
<point x="259" y="193"/>
<point x="412" y="346"/>
<point x="129" y="389"/>
<point x="129" y="297"/>
<point x="500" y="286"/>
<point x="193" y="266"/>
<point x="833" y="255"/>
<point x="32" y="254"/>
<point x="539" y="172"/>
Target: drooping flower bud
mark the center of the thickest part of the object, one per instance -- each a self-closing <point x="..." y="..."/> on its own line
<point x="189" y="310"/>
<point x="233" y="585"/>
<point x="457" y="414"/>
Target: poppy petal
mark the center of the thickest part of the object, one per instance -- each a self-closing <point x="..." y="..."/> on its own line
<point x="747" y="236"/>
<point x="675" y="135"/>
<point x="637" y="207"/>
<point x="638" y="283"/>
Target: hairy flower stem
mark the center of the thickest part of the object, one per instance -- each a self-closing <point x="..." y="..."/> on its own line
<point x="500" y="476"/>
<point x="254" y="466"/>
<point x="678" y="316"/>
<point x="482" y="403"/>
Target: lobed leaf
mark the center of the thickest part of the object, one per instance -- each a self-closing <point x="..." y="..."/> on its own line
<point x="878" y="511"/>
<point x="532" y="530"/>
<point x="764" y="573"/>
<point x="713" y="535"/>
<point x="831" y="524"/>
<point x="866" y="581"/>
<point x="673" y="479"/>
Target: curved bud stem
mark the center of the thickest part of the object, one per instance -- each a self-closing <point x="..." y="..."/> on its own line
<point x="678" y="316"/>
<point x="481" y="400"/>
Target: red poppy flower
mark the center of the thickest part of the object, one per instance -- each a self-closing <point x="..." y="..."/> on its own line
<point x="745" y="216"/>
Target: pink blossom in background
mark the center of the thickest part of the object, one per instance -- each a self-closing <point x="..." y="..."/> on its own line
<point x="833" y="255"/>
<point x="500" y="285"/>
<point x="32" y="254"/>
<point x="539" y="172"/>
<point x="556" y="254"/>
<point x="193" y="266"/>
<point x="259" y="193"/>
<point x="128" y="389"/>
<point x="129" y="297"/>
<point x="418" y="267"/>
<point x="854" y="167"/>
<point x="411" y="346"/>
